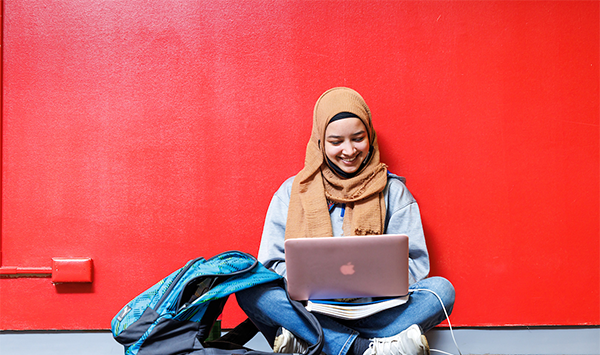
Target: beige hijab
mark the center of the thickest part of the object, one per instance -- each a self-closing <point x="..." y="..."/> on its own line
<point x="316" y="183"/>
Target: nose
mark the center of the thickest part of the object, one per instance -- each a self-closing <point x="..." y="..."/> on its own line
<point x="347" y="148"/>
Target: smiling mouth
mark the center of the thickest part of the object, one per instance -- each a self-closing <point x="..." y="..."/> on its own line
<point x="349" y="160"/>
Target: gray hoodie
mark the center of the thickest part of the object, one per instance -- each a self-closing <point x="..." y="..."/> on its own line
<point x="402" y="217"/>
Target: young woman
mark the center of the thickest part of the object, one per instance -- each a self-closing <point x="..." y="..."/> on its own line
<point x="345" y="190"/>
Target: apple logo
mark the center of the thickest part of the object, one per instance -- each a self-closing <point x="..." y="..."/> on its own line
<point x="347" y="269"/>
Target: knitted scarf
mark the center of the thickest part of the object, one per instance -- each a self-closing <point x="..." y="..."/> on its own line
<point x="316" y="183"/>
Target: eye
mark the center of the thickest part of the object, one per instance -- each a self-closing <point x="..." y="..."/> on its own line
<point x="359" y="137"/>
<point x="334" y="140"/>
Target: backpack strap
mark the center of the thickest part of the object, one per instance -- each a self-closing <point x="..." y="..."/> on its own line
<point x="316" y="348"/>
<point x="235" y="338"/>
<point x="243" y="332"/>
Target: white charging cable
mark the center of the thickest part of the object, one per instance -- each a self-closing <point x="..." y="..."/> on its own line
<point x="447" y="318"/>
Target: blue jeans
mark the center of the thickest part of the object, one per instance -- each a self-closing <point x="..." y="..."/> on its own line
<point x="268" y="307"/>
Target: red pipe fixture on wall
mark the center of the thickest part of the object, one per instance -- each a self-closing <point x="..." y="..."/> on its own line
<point x="62" y="270"/>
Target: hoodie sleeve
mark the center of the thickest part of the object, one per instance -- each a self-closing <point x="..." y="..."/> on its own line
<point x="271" y="251"/>
<point x="403" y="217"/>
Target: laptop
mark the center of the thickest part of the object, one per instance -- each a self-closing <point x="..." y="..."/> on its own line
<point x="347" y="267"/>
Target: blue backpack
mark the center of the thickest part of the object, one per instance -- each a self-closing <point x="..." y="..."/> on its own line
<point x="175" y="315"/>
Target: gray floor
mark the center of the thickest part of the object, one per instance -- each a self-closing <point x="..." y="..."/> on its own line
<point x="546" y="341"/>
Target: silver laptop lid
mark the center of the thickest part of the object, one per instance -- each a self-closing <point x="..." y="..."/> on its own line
<point x="345" y="267"/>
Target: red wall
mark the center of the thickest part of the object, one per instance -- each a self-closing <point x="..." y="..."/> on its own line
<point x="143" y="134"/>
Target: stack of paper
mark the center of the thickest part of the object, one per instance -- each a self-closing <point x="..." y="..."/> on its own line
<point x="347" y="310"/>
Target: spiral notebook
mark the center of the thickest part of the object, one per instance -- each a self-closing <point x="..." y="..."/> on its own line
<point x="347" y="267"/>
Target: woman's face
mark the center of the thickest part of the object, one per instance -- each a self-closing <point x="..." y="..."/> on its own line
<point x="347" y="143"/>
